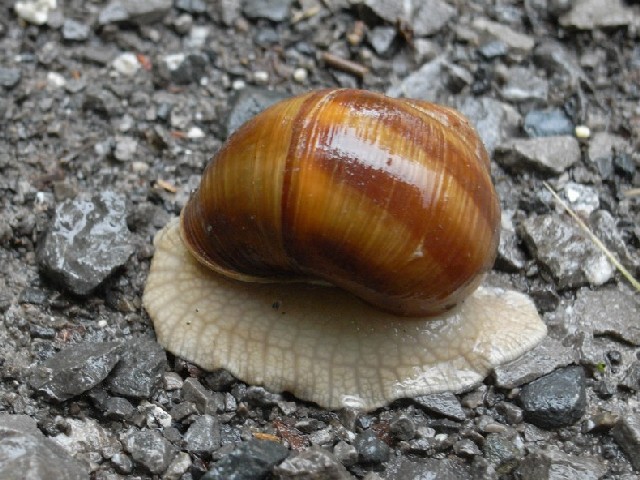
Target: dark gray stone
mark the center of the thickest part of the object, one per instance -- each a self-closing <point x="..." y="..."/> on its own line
<point x="149" y="11"/>
<point x="25" y="453"/>
<point x="557" y="60"/>
<point x="205" y="401"/>
<point x="604" y="147"/>
<point x="75" y="369"/>
<point x="445" y="404"/>
<point x="564" y="252"/>
<point x="548" y="155"/>
<point x="118" y="408"/>
<point x="149" y="449"/>
<point x="9" y="77"/>
<point x="606" y="229"/>
<point x="501" y="453"/>
<point x="546" y="357"/>
<point x="627" y="434"/>
<point x="73" y="30"/>
<point x="466" y="448"/>
<point x="274" y="10"/>
<point x="402" y="428"/>
<point x="556" y="465"/>
<point x="102" y="102"/>
<point x="249" y="461"/>
<point x="371" y="450"/>
<point x="140" y="370"/>
<point x="401" y="467"/>
<point x="203" y="435"/>
<point x="510" y="257"/>
<point x="248" y="103"/>
<point x="182" y="68"/>
<point x="345" y="453"/>
<point x="555" y="400"/>
<point x="548" y="123"/>
<point x="314" y="463"/>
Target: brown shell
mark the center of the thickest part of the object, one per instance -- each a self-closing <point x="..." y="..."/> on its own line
<point x="390" y="199"/>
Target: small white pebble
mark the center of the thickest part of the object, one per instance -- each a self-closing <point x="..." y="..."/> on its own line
<point x="582" y="131"/>
<point x="261" y="77"/>
<point x="139" y="167"/>
<point x="102" y="323"/>
<point x="54" y="79"/>
<point x="126" y="64"/>
<point x="195" y="132"/>
<point x="300" y="75"/>
<point x="35" y="11"/>
<point x="238" y="84"/>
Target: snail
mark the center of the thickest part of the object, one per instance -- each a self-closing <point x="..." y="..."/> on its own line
<point x="334" y="249"/>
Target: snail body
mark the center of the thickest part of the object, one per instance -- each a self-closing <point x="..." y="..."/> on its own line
<point x="389" y="199"/>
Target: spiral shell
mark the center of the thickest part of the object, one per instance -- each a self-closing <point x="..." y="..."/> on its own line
<point x="389" y="199"/>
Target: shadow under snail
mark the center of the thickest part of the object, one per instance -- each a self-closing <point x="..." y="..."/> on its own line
<point x="390" y="200"/>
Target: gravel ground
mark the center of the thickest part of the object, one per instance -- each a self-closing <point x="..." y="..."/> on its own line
<point x="108" y="114"/>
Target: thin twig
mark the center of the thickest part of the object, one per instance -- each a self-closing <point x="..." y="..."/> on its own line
<point x="625" y="273"/>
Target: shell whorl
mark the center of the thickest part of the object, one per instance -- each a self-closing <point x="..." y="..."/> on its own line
<point x="390" y="199"/>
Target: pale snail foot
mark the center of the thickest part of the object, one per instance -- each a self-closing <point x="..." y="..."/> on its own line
<point x="322" y="344"/>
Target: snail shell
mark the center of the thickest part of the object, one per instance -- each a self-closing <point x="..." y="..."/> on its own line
<point x="389" y="199"/>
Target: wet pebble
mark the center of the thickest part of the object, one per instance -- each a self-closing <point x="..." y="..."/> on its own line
<point x="313" y="463"/>
<point x="203" y="435"/>
<point x="9" y="76"/>
<point x="445" y="404"/>
<point x="548" y="123"/>
<point x="502" y="453"/>
<point x="440" y="469"/>
<point x="74" y="30"/>
<point x="555" y="400"/>
<point x="590" y="14"/>
<point x="565" y="252"/>
<point x="274" y="10"/>
<point x="548" y="356"/>
<point x="549" y="155"/>
<point x="26" y="453"/>
<point x="149" y="449"/>
<point x="371" y="450"/>
<point x="248" y="461"/>
<point x="139" y="372"/>
<point x="556" y="465"/>
<point x="75" y="369"/>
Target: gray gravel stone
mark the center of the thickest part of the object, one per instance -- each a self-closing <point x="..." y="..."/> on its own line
<point x="609" y="311"/>
<point x="75" y="369"/>
<point x="401" y="467"/>
<point x="627" y="434"/>
<point x="590" y="14"/>
<point x="205" y="401"/>
<point x="274" y="10"/>
<point x="125" y="149"/>
<point x="510" y="257"/>
<point x="248" y="103"/>
<point x="606" y="229"/>
<point x="346" y="453"/>
<point x="178" y="467"/>
<point x="203" y="435"/>
<point x="149" y="449"/>
<point x="548" y="356"/>
<point x="548" y="123"/>
<point x="445" y="404"/>
<point x="191" y="6"/>
<point x="558" y="60"/>
<point x="603" y="148"/>
<point x="516" y="42"/>
<point x="494" y="120"/>
<point x="371" y="450"/>
<point x="381" y="39"/>
<point x="114" y="12"/>
<point x="25" y="453"/>
<point x="9" y="76"/>
<point x="501" y="453"/>
<point x="430" y="17"/>
<point x="523" y="85"/>
<point x="74" y="30"/>
<point x="556" y="465"/>
<point x="402" y="428"/>
<point x="549" y="155"/>
<point x="140" y="370"/>
<point x="314" y="463"/>
<point x="87" y="242"/>
<point x="564" y="252"/>
<point x="555" y="400"/>
<point x="149" y="11"/>
<point x="424" y="84"/>
<point x="249" y="461"/>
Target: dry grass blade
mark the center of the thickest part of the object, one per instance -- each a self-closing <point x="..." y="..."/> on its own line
<point x="625" y="273"/>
